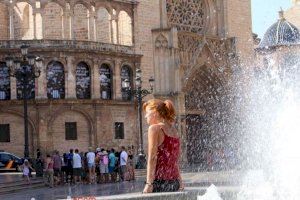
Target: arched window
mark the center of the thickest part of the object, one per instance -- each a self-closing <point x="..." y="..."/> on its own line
<point x="125" y="28"/>
<point x="81" y="21"/>
<point x="4" y="25"/>
<point x="23" y="21"/>
<point x="4" y="82"/>
<point x="55" y="80"/>
<point x="53" y="21"/>
<point x="30" y="88"/>
<point x="83" y="81"/>
<point x="126" y="73"/>
<point x="103" y="25"/>
<point x="105" y="81"/>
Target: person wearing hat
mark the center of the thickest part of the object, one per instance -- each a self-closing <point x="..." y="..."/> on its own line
<point x="103" y="166"/>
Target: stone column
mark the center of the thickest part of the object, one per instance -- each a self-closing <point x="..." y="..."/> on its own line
<point x="72" y="32"/>
<point x="95" y="80"/>
<point x="13" y="88"/>
<point x="43" y="24"/>
<point x="117" y="30"/>
<point x="70" y="79"/>
<point x="11" y="23"/>
<point x="163" y="14"/>
<point x="34" y="23"/>
<point x="117" y="80"/>
<point x="42" y="84"/>
<point x="92" y="31"/>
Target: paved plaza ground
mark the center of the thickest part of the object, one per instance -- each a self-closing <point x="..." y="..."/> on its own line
<point x="124" y="190"/>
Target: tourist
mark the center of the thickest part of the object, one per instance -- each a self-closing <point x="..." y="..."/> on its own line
<point x="163" y="173"/>
<point x="123" y="163"/>
<point x="105" y="162"/>
<point x="84" y="168"/>
<point x="91" y="165"/>
<point x="57" y="167"/>
<point x="77" y="167"/>
<point x="69" y="174"/>
<point x="48" y="171"/>
<point x="103" y="166"/>
<point x="112" y="165"/>
<point x="130" y="166"/>
<point x="26" y="169"/>
<point x="97" y="163"/>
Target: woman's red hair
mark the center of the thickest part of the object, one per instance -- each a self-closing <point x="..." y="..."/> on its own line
<point x="164" y="108"/>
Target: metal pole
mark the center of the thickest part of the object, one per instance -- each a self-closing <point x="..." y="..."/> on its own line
<point x="139" y="97"/>
<point x="24" y="93"/>
<point x="141" y="157"/>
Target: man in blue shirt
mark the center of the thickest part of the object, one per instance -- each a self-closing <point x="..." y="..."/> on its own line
<point x="112" y="165"/>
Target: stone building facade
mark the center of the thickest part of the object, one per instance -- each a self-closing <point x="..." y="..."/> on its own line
<point x="190" y="47"/>
<point x="293" y="14"/>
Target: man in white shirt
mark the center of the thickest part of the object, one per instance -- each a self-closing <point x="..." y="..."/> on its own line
<point x="91" y="165"/>
<point x="77" y="166"/>
<point x="123" y="163"/>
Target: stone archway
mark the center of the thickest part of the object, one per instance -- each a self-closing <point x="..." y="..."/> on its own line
<point x="15" y="120"/>
<point x="57" y="128"/>
<point x="205" y="111"/>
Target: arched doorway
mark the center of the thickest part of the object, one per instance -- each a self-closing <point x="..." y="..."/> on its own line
<point x="205" y="119"/>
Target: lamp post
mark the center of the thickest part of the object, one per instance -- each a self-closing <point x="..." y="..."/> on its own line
<point x="25" y="69"/>
<point x="139" y="93"/>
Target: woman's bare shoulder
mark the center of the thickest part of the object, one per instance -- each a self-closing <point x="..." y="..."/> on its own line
<point x="154" y="127"/>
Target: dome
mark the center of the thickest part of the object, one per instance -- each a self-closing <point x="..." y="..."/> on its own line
<point x="280" y="33"/>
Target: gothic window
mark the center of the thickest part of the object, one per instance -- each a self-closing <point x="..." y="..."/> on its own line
<point x="4" y="133"/>
<point x="119" y="130"/>
<point x="187" y="15"/>
<point x="126" y="73"/>
<point x="105" y="82"/>
<point x="4" y="82"/>
<point x="83" y="81"/>
<point x="70" y="130"/>
<point x="29" y="88"/>
<point x="55" y="80"/>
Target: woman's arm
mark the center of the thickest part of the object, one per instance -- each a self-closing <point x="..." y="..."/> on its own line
<point x="181" y="187"/>
<point x="152" y="156"/>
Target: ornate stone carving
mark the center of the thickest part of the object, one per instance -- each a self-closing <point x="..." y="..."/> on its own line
<point x="161" y="41"/>
<point x="191" y="46"/>
<point x="187" y="15"/>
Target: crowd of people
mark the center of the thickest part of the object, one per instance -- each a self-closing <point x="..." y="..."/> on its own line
<point x="99" y="166"/>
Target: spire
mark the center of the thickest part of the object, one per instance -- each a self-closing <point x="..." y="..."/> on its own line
<point x="281" y="14"/>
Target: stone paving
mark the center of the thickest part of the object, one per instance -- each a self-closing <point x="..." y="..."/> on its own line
<point x="197" y="181"/>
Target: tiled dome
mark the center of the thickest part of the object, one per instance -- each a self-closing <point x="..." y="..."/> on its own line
<point x="280" y="33"/>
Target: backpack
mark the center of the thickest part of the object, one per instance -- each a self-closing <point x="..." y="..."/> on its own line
<point x="105" y="160"/>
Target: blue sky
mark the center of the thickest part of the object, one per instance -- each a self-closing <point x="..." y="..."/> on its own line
<point x="265" y="13"/>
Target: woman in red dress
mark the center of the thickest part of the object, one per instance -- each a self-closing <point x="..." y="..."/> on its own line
<point x="163" y="173"/>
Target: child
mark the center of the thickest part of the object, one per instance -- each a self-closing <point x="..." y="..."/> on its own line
<point x="26" y="170"/>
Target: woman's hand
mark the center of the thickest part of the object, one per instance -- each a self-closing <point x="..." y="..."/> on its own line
<point x="181" y="186"/>
<point x="148" y="188"/>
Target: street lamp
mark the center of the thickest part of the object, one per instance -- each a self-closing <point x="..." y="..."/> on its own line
<point x="25" y="69"/>
<point x="139" y="94"/>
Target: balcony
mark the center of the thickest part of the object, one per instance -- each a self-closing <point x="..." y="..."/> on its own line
<point x="69" y="45"/>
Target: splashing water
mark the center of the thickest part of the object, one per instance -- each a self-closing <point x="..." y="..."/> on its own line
<point x="210" y="194"/>
<point x="273" y="136"/>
